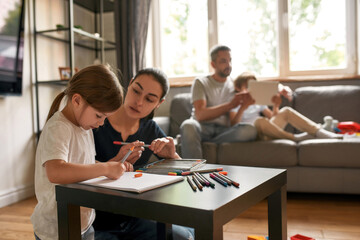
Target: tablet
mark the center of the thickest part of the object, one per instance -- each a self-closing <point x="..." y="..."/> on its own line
<point x="262" y="92"/>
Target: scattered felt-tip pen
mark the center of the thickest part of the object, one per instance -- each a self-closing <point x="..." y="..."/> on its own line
<point x="192" y="185"/>
<point x="197" y="183"/>
<point x="202" y="171"/>
<point x="219" y="180"/>
<point x="236" y="184"/>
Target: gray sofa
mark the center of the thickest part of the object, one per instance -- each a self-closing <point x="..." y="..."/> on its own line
<point x="316" y="165"/>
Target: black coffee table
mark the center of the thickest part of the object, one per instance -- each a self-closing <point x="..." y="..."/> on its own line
<point x="206" y="211"/>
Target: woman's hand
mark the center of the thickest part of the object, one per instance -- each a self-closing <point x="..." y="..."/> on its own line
<point x="164" y="147"/>
<point x="134" y="156"/>
<point x="129" y="167"/>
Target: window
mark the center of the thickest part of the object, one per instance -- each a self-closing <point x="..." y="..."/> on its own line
<point x="268" y="37"/>
<point x="183" y="36"/>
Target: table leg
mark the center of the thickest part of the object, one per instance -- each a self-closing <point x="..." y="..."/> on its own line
<point x="164" y="231"/>
<point x="277" y="215"/>
<point x="208" y="233"/>
<point x="68" y="221"/>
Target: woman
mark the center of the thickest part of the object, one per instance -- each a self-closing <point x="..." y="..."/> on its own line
<point x="133" y="123"/>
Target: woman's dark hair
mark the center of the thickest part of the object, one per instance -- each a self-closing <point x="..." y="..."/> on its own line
<point x="99" y="87"/>
<point x="158" y="76"/>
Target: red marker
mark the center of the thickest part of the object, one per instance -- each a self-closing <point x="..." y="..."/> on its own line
<point x="125" y="143"/>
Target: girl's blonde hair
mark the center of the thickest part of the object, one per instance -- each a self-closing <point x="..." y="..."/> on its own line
<point x="98" y="85"/>
<point x="243" y="79"/>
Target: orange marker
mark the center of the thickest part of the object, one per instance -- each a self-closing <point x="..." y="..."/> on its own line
<point x="223" y="173"/>
<point x="127" y="154"/>
<point x="172" y="173"/>
<point x="138" y="175"/>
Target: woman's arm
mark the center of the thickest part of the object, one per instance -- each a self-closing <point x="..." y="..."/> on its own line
<point x="61" y="172"/>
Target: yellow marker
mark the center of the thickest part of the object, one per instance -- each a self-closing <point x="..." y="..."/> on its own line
<point x="172" y="173"/>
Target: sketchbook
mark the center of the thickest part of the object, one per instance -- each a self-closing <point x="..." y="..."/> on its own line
<point x="168" y="165"/>
<point x="262" y="92"/>
<point x="128" y="182"/>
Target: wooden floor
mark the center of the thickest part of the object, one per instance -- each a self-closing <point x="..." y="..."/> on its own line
<point x="323" y="217"/>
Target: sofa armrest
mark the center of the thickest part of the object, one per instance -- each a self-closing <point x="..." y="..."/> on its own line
<point x="164" y="123"/>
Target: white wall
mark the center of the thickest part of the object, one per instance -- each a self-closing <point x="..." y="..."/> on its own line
<point x="17" y="141"/>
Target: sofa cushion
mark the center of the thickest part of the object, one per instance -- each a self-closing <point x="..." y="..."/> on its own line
<point x="330" y="153"/>
<point x="342" y="102"/>
<point x="274" y="153"/>
<point x="180" y="110"/>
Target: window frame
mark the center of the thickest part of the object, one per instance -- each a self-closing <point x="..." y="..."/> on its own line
<point x="283" y="42"/>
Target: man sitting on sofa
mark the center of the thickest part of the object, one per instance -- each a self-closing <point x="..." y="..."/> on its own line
<point x="213" y="97"/>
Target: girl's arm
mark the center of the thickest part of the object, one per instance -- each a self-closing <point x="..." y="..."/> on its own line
<point x="236" y="117"/>
<point x="164" y="147"/>
<point x="61" y="172"/>
<point x="277" y="102"/>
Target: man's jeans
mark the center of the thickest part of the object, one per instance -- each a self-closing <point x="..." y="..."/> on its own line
<point x="193" y="133"/>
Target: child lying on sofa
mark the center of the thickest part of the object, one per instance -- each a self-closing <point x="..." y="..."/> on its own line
<point x="271" y="125"/>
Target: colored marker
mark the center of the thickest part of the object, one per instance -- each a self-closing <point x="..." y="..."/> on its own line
<point x="197" y="183"/>
<point x="236" y="184"/>
<point x="210" y="182"/>
<point x="172" y="173"/>
<point x="192" y="185"/>
<point x="202" y="171"/>
<point x="125" y="143"/>
<point x="222" y="178"/>
<point x="138" y="175"/>
<point x="127" y="154"/>
<point x="201" y="180"/>
<point x="218" y="180"/>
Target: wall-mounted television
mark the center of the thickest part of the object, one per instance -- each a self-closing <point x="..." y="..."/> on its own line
<point x="11" y="46"/>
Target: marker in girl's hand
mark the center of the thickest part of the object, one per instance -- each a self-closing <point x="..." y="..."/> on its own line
<point x="125" y="143"/>
<point x="127" y="154"/>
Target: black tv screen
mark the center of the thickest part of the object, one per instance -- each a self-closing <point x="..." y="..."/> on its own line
<point x="11" y="46"/>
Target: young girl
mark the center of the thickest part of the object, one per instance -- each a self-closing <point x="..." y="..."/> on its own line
<point x="272" y="125"/>
<point x="133" y="123"/>
<point x="66" y="152"/>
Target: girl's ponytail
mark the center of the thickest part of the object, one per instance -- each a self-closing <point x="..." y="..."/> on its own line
<point x="98" y="86"/>
<point x="55" y="105"/>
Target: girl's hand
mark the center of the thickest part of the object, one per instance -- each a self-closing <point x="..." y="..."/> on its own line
<point x="115" y="170"/>
<point x="276" y="100"/>
<point x="164" y="147"/>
